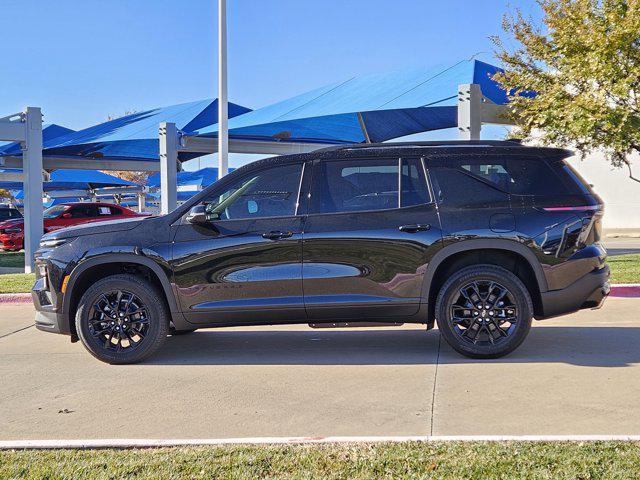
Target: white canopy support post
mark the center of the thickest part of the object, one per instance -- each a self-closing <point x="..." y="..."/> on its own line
<point x="168" y="167"/>
<point x="223" y="106"/>
<point x="142" y="200"/>
<point x="469" y="111"/>
<point x="32" y="185"/>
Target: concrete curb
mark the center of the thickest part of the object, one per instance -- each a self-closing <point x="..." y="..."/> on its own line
<point x="623" y="290"/>
<point x="15" y="298"/>
<point x="179" y="442"/>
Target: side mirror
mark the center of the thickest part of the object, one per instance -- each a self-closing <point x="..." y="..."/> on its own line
<point x="197" y="215"/>
<point x="66" y="215"/>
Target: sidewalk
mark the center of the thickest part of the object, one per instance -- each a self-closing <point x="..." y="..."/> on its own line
<point x="578" y="374"/>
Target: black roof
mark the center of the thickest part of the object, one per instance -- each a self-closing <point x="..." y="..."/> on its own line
<point x="432" y="148"/>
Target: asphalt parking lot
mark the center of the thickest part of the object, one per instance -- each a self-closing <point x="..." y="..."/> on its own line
<point x="579" y="374"/>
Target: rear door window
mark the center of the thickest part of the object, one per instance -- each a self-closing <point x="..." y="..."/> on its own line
<point x="355" y="185"/>
<point x="359" y="185"/>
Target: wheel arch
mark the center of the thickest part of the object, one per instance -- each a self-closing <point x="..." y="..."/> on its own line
<point x="512" y="255"/>
<point x="94" y="268"/>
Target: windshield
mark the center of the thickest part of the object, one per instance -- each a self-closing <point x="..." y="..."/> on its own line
<point x="55" y="211"/>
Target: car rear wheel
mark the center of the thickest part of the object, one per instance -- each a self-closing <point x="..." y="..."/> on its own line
<point x="484" y="311"/>
<point x="122" y="319"/>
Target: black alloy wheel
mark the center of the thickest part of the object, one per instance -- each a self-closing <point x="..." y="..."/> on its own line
<point x="122" y="319"/>
<point x="119" y="319"/>
<point x="484" y="311"/>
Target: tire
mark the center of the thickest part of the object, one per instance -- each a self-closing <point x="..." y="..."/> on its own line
<point x="471" y="328"/>
<point x="110" y="338"/>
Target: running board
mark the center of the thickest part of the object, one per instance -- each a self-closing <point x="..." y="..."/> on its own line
<point x="353" y="324"/>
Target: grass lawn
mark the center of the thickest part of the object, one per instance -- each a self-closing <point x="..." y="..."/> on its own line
<point x="479" y="460"/>
<point x="16" y="283"/>
<point x="12" y="259"/>
<point x="625" y="268"/>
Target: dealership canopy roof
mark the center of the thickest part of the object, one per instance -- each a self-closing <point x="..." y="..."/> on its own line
<point x="133" y="136"/>
<point x="49" y="132"/>
<point x="74" y="180"/>
<point x="375" y="107"/>
<point x="199" y="178"/>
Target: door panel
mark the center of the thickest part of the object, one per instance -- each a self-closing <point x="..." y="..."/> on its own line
<point x="245" y="264"/>
<point x="229" y="267"/>
<point x="366" y="264"/>
<point x="362" y="265"/>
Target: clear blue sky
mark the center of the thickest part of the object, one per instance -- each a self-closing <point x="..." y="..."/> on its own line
<point x="83" y="60"/>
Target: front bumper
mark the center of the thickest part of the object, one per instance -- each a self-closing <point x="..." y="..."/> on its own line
<point x="11" y="241"/>
<point x="587" y="292"/>
<point x="47" y="318"/>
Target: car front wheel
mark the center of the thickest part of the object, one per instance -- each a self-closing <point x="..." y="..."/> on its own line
<point x="484" y="311"/>
<point x="122" y="319"/>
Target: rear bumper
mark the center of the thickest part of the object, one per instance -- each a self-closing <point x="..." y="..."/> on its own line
<point x="587" y="292"/>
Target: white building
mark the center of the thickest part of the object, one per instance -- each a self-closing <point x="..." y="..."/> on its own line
<point x="620" y="193"/>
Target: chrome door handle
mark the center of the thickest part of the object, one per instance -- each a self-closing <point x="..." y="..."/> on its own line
<point x="276" y="235"/>
<point x="413" y="228"/>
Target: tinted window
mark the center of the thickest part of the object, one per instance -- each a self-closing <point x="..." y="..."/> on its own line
<point x="491" y="172"/>
<point x="355" y="185"/>
<point x="520" y="175"/>
<point x="271" y="192"/>
<point x="413" y="186"/>
<point x="84" y="211"/>
<point x="455" y="188"/>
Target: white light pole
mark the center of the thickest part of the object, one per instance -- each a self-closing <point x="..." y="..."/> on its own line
<point x="223" y="106"/>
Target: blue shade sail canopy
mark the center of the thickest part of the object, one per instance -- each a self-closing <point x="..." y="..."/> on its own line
<point x="199" y="178"/>
<point x="386" y="106"/>
<point x="135" y="136"/>
<point x="74" y="180"/>
<point x="49" y="132"/>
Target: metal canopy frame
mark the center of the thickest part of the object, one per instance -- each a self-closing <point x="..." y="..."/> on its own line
<point x="26" y="128"/>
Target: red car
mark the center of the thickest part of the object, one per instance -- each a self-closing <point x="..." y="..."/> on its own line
<point x="61" y="216"/>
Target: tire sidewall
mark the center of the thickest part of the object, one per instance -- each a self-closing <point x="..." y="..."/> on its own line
<point x="158" y="321"/>
<point x="499" y="275"/>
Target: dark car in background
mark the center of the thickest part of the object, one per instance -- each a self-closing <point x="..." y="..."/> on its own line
<point x="478" y="237"/>
<point x="8" y="213"/>
<point x="60" y="216"/>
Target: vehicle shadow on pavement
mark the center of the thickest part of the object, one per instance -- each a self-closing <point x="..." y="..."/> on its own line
<point x="584" y="346"/>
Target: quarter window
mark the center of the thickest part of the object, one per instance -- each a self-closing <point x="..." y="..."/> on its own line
<point x="271" y="192"/>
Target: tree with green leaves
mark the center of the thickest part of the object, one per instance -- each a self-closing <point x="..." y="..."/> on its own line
<point x="583" y="62"/>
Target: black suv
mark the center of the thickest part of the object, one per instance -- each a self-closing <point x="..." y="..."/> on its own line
<point x="477" y="236"/>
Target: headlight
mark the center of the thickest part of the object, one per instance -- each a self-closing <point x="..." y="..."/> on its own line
<point x="56" y="242"/>
<point x="12" y="230"/>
